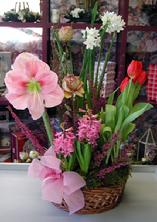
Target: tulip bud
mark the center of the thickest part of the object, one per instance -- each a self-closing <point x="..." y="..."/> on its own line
<point x="134" y="69"/>
<point x="124" y="84"/>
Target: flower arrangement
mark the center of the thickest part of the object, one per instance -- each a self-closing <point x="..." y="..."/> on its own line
<point x="89" y="151"/>
<point x="21" y="14"/>
<point x="84" y="14"/>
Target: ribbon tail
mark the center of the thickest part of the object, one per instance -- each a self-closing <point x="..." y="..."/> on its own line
<point x="75" y="201"/>
<point x="52" y="190"/>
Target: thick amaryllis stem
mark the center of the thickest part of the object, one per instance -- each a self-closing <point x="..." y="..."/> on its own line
<point x="48" y="127"/>
<point x="100" y="55"/>
<point x="105" y="65"/>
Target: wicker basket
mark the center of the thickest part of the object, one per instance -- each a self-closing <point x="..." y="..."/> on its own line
<point x="98" y="200"/>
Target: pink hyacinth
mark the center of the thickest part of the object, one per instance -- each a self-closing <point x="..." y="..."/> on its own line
<point x="31" y="84"/>
<point x="64" y="143"/>
<point x="89" y="129"/>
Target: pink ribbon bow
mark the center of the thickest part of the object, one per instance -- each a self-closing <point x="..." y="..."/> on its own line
<point x="58" y="185"/>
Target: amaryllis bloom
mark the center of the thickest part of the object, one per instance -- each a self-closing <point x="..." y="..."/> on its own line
<point x="124" y="84"/>
<point x="64" y="143"/>
<point x="31" y="84"/>
<point x="89" y="129"/>
<point x="65" y="33"/>
<point x="134" y="69"/>
<point x="72" y="85"/>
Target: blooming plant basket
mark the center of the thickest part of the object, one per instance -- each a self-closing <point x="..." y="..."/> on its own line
<point x="87" y="165"/>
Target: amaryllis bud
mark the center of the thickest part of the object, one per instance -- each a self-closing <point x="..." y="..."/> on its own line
<point x="65" y="33"/>
<point x="124" y="84"/>
<point x="72" y="85"/>
<point x="134" y="69"/>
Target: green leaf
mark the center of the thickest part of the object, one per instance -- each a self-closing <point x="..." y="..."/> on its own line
<point x="94" y="13"/>
<point x="121" y="115"/>
<point x="111" y="97"/>
<point x="127" y="130"/>
<point x="87" y="153"/>
<point x="137" y="111"/>
<point x="102" y="116"/>
<point x="106" y="131"/>
<point x="110" y="116"/>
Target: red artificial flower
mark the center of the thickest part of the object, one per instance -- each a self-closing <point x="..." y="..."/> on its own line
<point x="141" y="78"/>
<point x="124" y="84"/>
<point x="134" y="69"/>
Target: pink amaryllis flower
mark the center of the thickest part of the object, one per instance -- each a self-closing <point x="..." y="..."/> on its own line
<point x="31" y="84"/>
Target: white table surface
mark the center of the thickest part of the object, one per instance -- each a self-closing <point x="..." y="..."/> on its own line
<point x="20" y="200"/>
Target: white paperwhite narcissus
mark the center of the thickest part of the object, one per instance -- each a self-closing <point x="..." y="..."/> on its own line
<point x="76" y="11"/>
<point x="114" y="22"/>
<point x="92" y="38"/>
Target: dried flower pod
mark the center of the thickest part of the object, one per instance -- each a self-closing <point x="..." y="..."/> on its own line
<point x="65" y="34"/>
<point x="72" y="85"/>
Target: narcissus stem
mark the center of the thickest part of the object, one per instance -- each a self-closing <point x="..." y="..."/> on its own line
<point x="48" y="127"/>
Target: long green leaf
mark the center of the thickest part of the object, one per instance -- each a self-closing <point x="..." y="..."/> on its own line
<point x="110" y="116"/>
<point x="127" y="130"/>
<point x="121" y="115"/>
<point x="137" y="111"/>
<point x="111" y="97"/>
<point x="94" y="13"/>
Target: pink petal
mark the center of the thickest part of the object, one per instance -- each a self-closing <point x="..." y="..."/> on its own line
<point x="52" y="190"/>
<point x="30" y="65"/>
<point x="54" y="98"/>
<point x="48" y="81"/>
<point x="37" y="66"/>
<point x="72" y="182"/>
<point x="18" y="101"/>
<point x="51" y="162"/>
<point x="37" y="170"/>
<point x="22" y="59"/>
<point x="75" y="201"/>
<point x="16" y="82"/>
<point x="35" y="105"/>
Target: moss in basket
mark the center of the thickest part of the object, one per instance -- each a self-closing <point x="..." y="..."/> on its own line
<point x="117" y="177"/>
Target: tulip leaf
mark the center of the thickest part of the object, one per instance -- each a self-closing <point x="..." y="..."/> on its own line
<point x="137" y="111"/>
<point x="110" y="115"/>
<point x="106" y="131"/>
<point x="127" y="130"/>
<point x="121" y="115"/>
<point x="111" y="97"/>
<point x="102" y="116"/>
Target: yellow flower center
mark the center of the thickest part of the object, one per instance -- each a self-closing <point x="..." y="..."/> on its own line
<point x="34" y="86"/>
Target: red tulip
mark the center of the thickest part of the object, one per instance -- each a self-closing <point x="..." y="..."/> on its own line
<point x="124" y="84"/>
<point x="141" y="78"/>
<point x="134" y="69"/>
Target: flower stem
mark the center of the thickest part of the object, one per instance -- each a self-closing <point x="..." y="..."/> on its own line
<point x="105" y="64"/>
<point x="99" y="57"/>
<point x="48" y="127"/>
